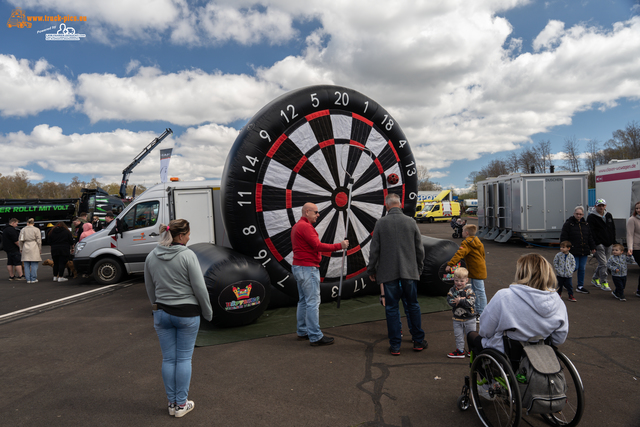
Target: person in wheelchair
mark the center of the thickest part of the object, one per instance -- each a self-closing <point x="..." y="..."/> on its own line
<point x="529" y="307"/>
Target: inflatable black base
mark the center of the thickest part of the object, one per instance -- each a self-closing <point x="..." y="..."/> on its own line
<point x="434" y="280"/>
<point x="239" y="287"/>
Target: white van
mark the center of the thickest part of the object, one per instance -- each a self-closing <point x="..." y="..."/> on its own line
<point x="124" y="244"/>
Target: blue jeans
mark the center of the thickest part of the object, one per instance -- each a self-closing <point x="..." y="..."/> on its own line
<point x="395" y="291"/>
<point x="481" y="297"/>
<point x="581" y="264"/>
<point x="31" y="270"/>
<point x="308" y="313"/>
<point x="177" y="337"/>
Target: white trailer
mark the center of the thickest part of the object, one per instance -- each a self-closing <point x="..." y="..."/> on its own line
<point x="618" y="182"/>
<point x="528" y="206"/>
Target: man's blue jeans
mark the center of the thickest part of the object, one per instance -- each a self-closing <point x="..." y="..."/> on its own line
<point x="395" y="291"/>
<point x="308" y="314"/>
<point x="177" y="337"/>
<point x="481" y="296"/>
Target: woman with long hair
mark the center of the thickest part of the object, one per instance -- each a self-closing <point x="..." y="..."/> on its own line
<point x="61" y="241"/>
<point x="528" y="308"/>
<point x="31" y="247"/>
<point x="633" y="237"/>
<point x="178" y="295"/>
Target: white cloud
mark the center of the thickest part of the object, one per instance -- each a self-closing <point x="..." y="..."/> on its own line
<point x="197" y="154"/>
<point x="549" y="36"/>
<point x="28" y="88"/>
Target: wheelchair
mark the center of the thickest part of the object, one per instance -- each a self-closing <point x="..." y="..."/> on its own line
<point x="492" y="388"/>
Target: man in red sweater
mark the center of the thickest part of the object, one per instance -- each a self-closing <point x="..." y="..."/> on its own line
<point x="306" y="271"/>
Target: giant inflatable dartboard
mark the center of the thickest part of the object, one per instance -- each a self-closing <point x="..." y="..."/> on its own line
<point x="303" y="147"/>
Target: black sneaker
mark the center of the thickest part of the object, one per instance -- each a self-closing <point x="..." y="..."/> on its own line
<point x="394" y="351"/>
<point x="12" y="278"/>
<point x="419" y="346"/>
<point x="582" y="290"/>
<point x="303" y="337"/>
<point x="323" y="341"/>
<point x="21" y="278"/>
<point x="615" y="295"/>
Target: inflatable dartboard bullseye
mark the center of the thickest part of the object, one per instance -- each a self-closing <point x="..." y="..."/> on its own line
<point x="304" y="147"/>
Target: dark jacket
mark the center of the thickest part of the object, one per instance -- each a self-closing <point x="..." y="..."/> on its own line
<point x="602" y="228"/>
<point x="60" y="240"/>
<point x="579" y="234"/>
<point x="10" y="236"/>
<point x="396" y="248"/>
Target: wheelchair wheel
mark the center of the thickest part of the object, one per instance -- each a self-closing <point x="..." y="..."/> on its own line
<point x="494" y="390"/>
<point x="573" y="409"/>
<point x="464" y="402"/>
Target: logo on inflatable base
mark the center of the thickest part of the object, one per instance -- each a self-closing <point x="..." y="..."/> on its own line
<point x="242" y="296"/>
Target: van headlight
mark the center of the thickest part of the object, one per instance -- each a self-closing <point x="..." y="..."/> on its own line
<point x="80" y="246"/>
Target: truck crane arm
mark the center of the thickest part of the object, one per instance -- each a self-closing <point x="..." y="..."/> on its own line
<point x="127" y="171"/>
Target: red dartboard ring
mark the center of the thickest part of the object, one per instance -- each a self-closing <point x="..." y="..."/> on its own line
<point x="301" y="148"/>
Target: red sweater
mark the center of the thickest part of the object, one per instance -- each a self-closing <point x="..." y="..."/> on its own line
<point x="307" y="246"/>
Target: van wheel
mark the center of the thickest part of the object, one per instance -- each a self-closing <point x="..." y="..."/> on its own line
<point x="429" y="220"/>
<point x="107" y="271"/>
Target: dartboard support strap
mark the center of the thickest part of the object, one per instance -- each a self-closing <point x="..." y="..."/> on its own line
<point x="344" y="251"/>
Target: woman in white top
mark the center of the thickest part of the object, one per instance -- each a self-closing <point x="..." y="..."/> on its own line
<point x="633" y="237"/>
<point x="31" y="247"/>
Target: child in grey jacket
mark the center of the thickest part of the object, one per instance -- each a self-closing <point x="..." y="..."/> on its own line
<point x="617" y="264"/>
<point x="462" y="299"/>
<point x="565" y="264"/>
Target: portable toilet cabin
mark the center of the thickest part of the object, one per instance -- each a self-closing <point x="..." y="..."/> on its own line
<point x="529" y="206"/>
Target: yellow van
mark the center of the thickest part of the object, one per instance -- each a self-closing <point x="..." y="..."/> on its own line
<point x="439" y="209"/>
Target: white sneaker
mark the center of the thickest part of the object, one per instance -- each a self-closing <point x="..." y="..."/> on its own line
<point x="62" y="279"/>
<point x="28" y="281"/>
<point x="34" y="281"/>
<point x="55" y="279"/>
<point x="181" y="411"/>
<point x="172" y="409"/>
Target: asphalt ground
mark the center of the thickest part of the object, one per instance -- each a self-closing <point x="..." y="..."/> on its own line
<point x="96" y="362"/>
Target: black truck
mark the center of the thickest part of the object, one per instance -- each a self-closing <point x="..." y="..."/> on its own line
<point x="48" y="212"/>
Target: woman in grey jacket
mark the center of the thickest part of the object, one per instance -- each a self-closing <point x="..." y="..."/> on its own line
<point x="527" y="308"/>
<point x="177" y="291"/>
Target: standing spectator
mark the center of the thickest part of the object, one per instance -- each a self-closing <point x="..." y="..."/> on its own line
<point x="87" y="230"/>
<point x="10" y="244"/>
<point x="396" y="259"/>
<point x="617" y="264"/>
<point x="577" y="231"/>
<point x="472" y="250"/>
<point x="633" y="237"/>
<point x="31" y="247"/>
<point x="306" y="271"/>
<point x="178" y="295"/>
<point x="101" y="225"/>
<point x="463" y="300"/>
<point x="76" y="229"/>
<point x="604" y="235"/>
<point x="565" y="264"/>
<point x="61" y="240"/>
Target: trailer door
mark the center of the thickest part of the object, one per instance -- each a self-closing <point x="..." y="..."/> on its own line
<point x="535" y="204"/>
<point x="574" y="195"/>
<point x="196" y="206"/>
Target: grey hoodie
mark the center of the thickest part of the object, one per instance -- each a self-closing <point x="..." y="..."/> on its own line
<point x="530" y="311"/>
<point x="172" y="276"/>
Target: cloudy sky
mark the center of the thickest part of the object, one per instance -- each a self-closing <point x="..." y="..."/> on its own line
<point x="467" y="80"/>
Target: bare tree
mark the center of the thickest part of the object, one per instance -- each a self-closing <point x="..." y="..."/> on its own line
<point x="594" y="156"/>
<point x="543" y="154"/>
<point x="513" y="162"/>
<point x="571" y="154"/>
<point x="625" y="144"/>
<point x="528" y="159"/>
<point x="424" y="180"/>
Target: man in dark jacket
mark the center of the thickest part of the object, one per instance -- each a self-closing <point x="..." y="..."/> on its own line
<point x="604" y="234"/>
<point x="396" y="259"/>
<point x="10" y="236"/>
<point x="577" y="231"/>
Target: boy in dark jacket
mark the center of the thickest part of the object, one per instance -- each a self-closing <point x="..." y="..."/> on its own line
<point x="604" y="234"/>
